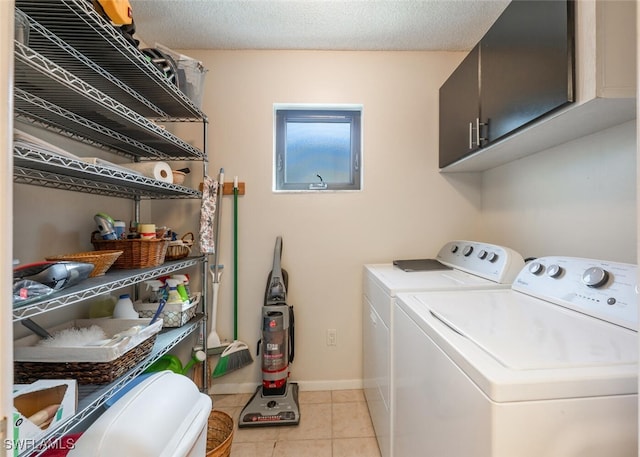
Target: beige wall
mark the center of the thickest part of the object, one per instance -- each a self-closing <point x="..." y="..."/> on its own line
<point x="407" y="209"/>
<point x="578" y="199"/>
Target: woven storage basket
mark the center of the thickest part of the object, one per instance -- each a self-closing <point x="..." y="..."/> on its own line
<point x="179" y="249"/>
<point x="172" y="315"/>
<point x="83" y="372"/>
<point x="219" y="434"/>
<point x="136" y="253"/>
<point x="101" y="260"/>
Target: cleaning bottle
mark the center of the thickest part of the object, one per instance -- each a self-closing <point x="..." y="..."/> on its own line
<point x="180" y="288"/>
<point x="174" y="297"/>
<point x="184" y="279"/>
<point x="156" y="293"/>
<point x="124" y="308"/>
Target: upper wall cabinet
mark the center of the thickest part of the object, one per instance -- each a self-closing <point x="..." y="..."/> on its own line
<point x="519" y="111"/>
<point x="460" y="110"/>
<point x="521" y="70"/>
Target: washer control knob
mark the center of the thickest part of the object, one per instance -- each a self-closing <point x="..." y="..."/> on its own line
<point x="554" y="271"/>
<point x="482" y="254"/>
<point x="454" y="248"/>
<point x="467" y="251"/>
<point x="493" y="257"/>
<point x="536" y="268"/>
<point x="595" y="277"/>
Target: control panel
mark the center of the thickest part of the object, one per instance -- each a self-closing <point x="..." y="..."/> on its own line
<point x="605" y="290"/>
<point x="489" y="261"/>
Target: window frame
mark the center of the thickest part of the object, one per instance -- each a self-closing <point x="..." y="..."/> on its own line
<point x="283" y="113"/>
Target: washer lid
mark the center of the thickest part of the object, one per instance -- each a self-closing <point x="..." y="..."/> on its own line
<point x="525" y="333"/>
<point x="394" y="279"/>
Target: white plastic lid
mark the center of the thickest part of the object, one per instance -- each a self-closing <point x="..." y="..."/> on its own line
<point x="163" y="416"/>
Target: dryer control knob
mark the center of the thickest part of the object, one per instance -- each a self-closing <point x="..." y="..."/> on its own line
<point x="482" y="254"/>
<point x="467" y="251"/>
<point x="493" y="257"/>
<point x="536" y="268"/>
<point x="595" y="277"/>
<point x="554" y="271"/>
<point x="454" y="248"/>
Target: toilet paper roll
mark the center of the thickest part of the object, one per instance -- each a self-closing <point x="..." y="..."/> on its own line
<point x="156" y="170"/>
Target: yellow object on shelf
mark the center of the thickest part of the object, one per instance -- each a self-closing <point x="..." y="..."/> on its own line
<point x="118" y="11"/>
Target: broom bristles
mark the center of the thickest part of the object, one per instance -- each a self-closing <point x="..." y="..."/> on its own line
<point x="234" y="357"/>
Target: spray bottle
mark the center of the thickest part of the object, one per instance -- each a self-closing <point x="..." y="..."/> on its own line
<point x="156" y="293"/>
<point x="174" y="297"/>
<point x="184" y="291"/>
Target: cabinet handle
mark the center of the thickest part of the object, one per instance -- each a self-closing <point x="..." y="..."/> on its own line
<point x="479" y="139"/>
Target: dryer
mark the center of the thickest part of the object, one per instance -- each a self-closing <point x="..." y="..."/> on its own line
<point x="547" y="368"/>
<point x="458" y="265"/>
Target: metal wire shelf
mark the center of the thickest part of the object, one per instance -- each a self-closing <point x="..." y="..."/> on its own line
<point x="79" y="77"/>
<point x="39" y="167"/>
<point x="94" y="111"/>
<point x="35" y="110"/>
<point x="91" y="287"/>
<point x="76" y="23"/>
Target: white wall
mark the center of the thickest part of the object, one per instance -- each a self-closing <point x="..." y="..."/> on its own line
<point x="577" y="199"/>
<point x="407" y="209"/>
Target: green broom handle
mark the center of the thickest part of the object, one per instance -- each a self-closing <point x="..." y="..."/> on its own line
<point x="235" y="258"/>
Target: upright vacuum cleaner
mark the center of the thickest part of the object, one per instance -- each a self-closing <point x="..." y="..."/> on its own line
<point x="276" y="400"/>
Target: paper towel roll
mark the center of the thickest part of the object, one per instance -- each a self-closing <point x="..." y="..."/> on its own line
<point x="156" y="170"/>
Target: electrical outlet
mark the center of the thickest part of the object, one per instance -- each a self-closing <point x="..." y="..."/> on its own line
<point x="332" y="337"/>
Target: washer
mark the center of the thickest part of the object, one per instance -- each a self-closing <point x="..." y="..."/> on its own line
<point x="459" y="265"/>
<point x="548" y="368"/>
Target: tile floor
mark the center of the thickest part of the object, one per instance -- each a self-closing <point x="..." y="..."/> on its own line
<point x="332" y="424"/>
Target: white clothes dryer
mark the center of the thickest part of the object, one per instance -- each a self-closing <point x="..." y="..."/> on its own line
<point x="548" y="368"/>
<point x="459" y="265"/>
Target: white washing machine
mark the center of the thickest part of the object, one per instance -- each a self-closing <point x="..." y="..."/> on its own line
<point x="548" y="368"/>
<point x="458" y="265"/>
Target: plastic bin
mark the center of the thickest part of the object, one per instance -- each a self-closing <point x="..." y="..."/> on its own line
<point x="193" y="74"/>
<point x="165" y="415"/>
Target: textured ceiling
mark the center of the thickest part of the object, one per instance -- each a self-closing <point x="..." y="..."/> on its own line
<point x="431" y="25"/>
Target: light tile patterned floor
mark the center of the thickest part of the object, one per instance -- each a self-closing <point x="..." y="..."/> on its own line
<point x="332" y="424"/>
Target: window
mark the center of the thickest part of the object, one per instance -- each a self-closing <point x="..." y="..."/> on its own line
<point x="317" y="148"/>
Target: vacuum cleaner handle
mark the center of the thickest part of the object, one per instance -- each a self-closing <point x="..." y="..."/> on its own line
<point x="291" y="334"/>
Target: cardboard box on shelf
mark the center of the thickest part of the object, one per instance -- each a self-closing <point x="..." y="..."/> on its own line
<point x="36" y="402"/>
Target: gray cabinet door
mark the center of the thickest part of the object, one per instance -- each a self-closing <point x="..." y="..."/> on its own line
<point x="526" y="65"/>
<point x="459" y="106"/>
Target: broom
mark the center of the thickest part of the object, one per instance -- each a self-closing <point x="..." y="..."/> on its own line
<point x="237" y="354"/>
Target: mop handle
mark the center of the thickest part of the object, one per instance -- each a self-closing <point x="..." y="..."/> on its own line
<point x="216" y="240"/>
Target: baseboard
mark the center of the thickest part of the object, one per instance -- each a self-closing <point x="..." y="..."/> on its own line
<point x="246" y="388"/>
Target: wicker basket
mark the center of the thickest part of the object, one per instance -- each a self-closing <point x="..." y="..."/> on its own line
<point x="219" y="434"/>
<point x="83" y="372"/>
<point x="136" y="253"/>
<point x="102" y="260"/>
<point x="181" y="248"/>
